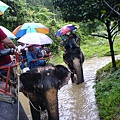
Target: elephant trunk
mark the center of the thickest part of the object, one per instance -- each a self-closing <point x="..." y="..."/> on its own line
<point x="78" y="70"/>
<point x="52" y="103"/>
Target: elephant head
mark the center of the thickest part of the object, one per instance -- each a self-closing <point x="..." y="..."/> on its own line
<point x="43" y="83"/>
<point x="74" y="58"/>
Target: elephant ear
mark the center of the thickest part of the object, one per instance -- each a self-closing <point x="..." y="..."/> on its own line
<point x="36" y="80"/>
<point x="63" y="74"/>
<point x="27" y="87"/>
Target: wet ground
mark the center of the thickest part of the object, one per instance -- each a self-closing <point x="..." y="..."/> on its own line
<point x="77" y="102"/>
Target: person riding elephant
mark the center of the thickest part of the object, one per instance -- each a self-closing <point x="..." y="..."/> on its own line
<point x="34" y="57"/>
<point x="73" y="57"/>
<point x="69" y="41"/>
<point x="41" y="85"/>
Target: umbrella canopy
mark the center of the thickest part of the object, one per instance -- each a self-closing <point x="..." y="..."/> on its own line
<point x="8" y="33"/>
<point x="35" y="38"/>
<point x="3" y="7"/>
<point x="65" y="29"/>
<point x="30" y="28"/>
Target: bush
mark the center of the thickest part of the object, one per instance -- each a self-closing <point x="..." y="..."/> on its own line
<point x="108" y="92"/>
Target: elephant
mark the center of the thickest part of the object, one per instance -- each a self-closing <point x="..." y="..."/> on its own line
<point x="41" y="85"/>
<point x="74" y="58"/>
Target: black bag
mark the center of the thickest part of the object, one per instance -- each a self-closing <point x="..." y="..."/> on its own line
<point x="5" y="52"/>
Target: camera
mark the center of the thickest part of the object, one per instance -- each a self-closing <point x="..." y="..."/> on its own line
<point x="5" y="52"/>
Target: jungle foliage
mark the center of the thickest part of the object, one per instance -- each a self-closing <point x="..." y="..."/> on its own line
<point x="42" y="11"/>
<point x="107" y="92"/>
<point x="86" y="11"/>
<point x="22" y="11"/>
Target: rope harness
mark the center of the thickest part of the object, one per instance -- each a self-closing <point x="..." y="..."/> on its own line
<point x="32" y="104"/>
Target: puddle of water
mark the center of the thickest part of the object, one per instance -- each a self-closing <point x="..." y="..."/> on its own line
<point x="77" y="102"/>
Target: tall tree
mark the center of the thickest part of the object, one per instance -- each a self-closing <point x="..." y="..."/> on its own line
<point x="20" y="12"/>
<point x="89" y="10"/>
<point x="14" y="15"/>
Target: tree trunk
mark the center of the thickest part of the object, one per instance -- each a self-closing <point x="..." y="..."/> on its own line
<point x="111" y="43"/>
<point x="112" y="54"/>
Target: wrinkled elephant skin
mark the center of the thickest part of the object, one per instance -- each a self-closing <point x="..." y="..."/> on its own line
<point x="41" y="85"/>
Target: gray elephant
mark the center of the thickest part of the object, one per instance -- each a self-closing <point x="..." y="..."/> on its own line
<point x="74" y="58"/>
<point x="41" y="85"/>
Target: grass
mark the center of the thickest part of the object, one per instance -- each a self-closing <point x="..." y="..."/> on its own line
<point x="95" y="47"/>
<point x="92" y="47"/>
<point x="57" y="58"/>
<point x="108" y="92"/>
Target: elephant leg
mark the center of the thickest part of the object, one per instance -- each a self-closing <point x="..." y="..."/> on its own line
<point x="72" y="78"/>
<point x="65" y="58"/>
<point x="52" y="104"/>
<point x="43" y="106"/>
<point x="34" y="112"/>
<point x="82" y="73"/>
<point x="82" y="57"/>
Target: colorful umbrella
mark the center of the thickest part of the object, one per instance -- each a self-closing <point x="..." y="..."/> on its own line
<point x="65" y="29"/>
<point x="8" y="33"/>
<point x="35" y="38"/>
<point x="3" y="7"/>
<point x="30" y="28"/>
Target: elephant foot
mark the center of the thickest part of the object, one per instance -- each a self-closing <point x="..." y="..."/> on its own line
<point x="44" y="115"/>
<point x="74" y="79"/>
<point x="79" y="82"/>
<point x="43" y="106"/>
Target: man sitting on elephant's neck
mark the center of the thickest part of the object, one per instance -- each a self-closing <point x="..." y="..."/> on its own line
<point x="70" y="42"/>
<point x="34" y="57"/>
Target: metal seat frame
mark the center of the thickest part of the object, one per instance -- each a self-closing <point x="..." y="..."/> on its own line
<point x="7" y="68"/>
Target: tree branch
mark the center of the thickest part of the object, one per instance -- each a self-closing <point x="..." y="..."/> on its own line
<point x="111" y="8"/>
<point x="114" y="27"/>
<point x="115" y="32"/>
<point x="99" y="36"/>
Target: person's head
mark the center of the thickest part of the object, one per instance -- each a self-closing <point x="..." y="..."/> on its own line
<point x="41" y="46"/>
<point x="71" y="35"/>
<point x="31" y="47"/>
<point x="20" y="43"/>
<point x="64" y="36"/>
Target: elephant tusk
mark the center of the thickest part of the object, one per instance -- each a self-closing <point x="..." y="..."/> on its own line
<point x="40" y="86"/>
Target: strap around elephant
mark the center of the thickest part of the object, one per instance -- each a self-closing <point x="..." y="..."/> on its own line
<point x="32" y="104"/>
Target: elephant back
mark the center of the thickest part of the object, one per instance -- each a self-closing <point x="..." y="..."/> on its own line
<point x="74" y="51"/>
<point x="71" y="55"/>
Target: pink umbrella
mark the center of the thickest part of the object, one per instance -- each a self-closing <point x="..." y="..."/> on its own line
<point x="65" y="29"/>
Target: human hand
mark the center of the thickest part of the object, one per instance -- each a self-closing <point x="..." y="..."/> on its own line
<point x="41" y="58"/>
<point x="49" y="53"/>
<point x="16" y="48"/>
<point x="35" y="52"/>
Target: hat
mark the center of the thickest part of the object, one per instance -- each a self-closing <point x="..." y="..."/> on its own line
<point x="30" y="45"/>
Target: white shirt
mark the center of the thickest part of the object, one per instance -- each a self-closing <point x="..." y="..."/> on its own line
<point x="20" y="47"/>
